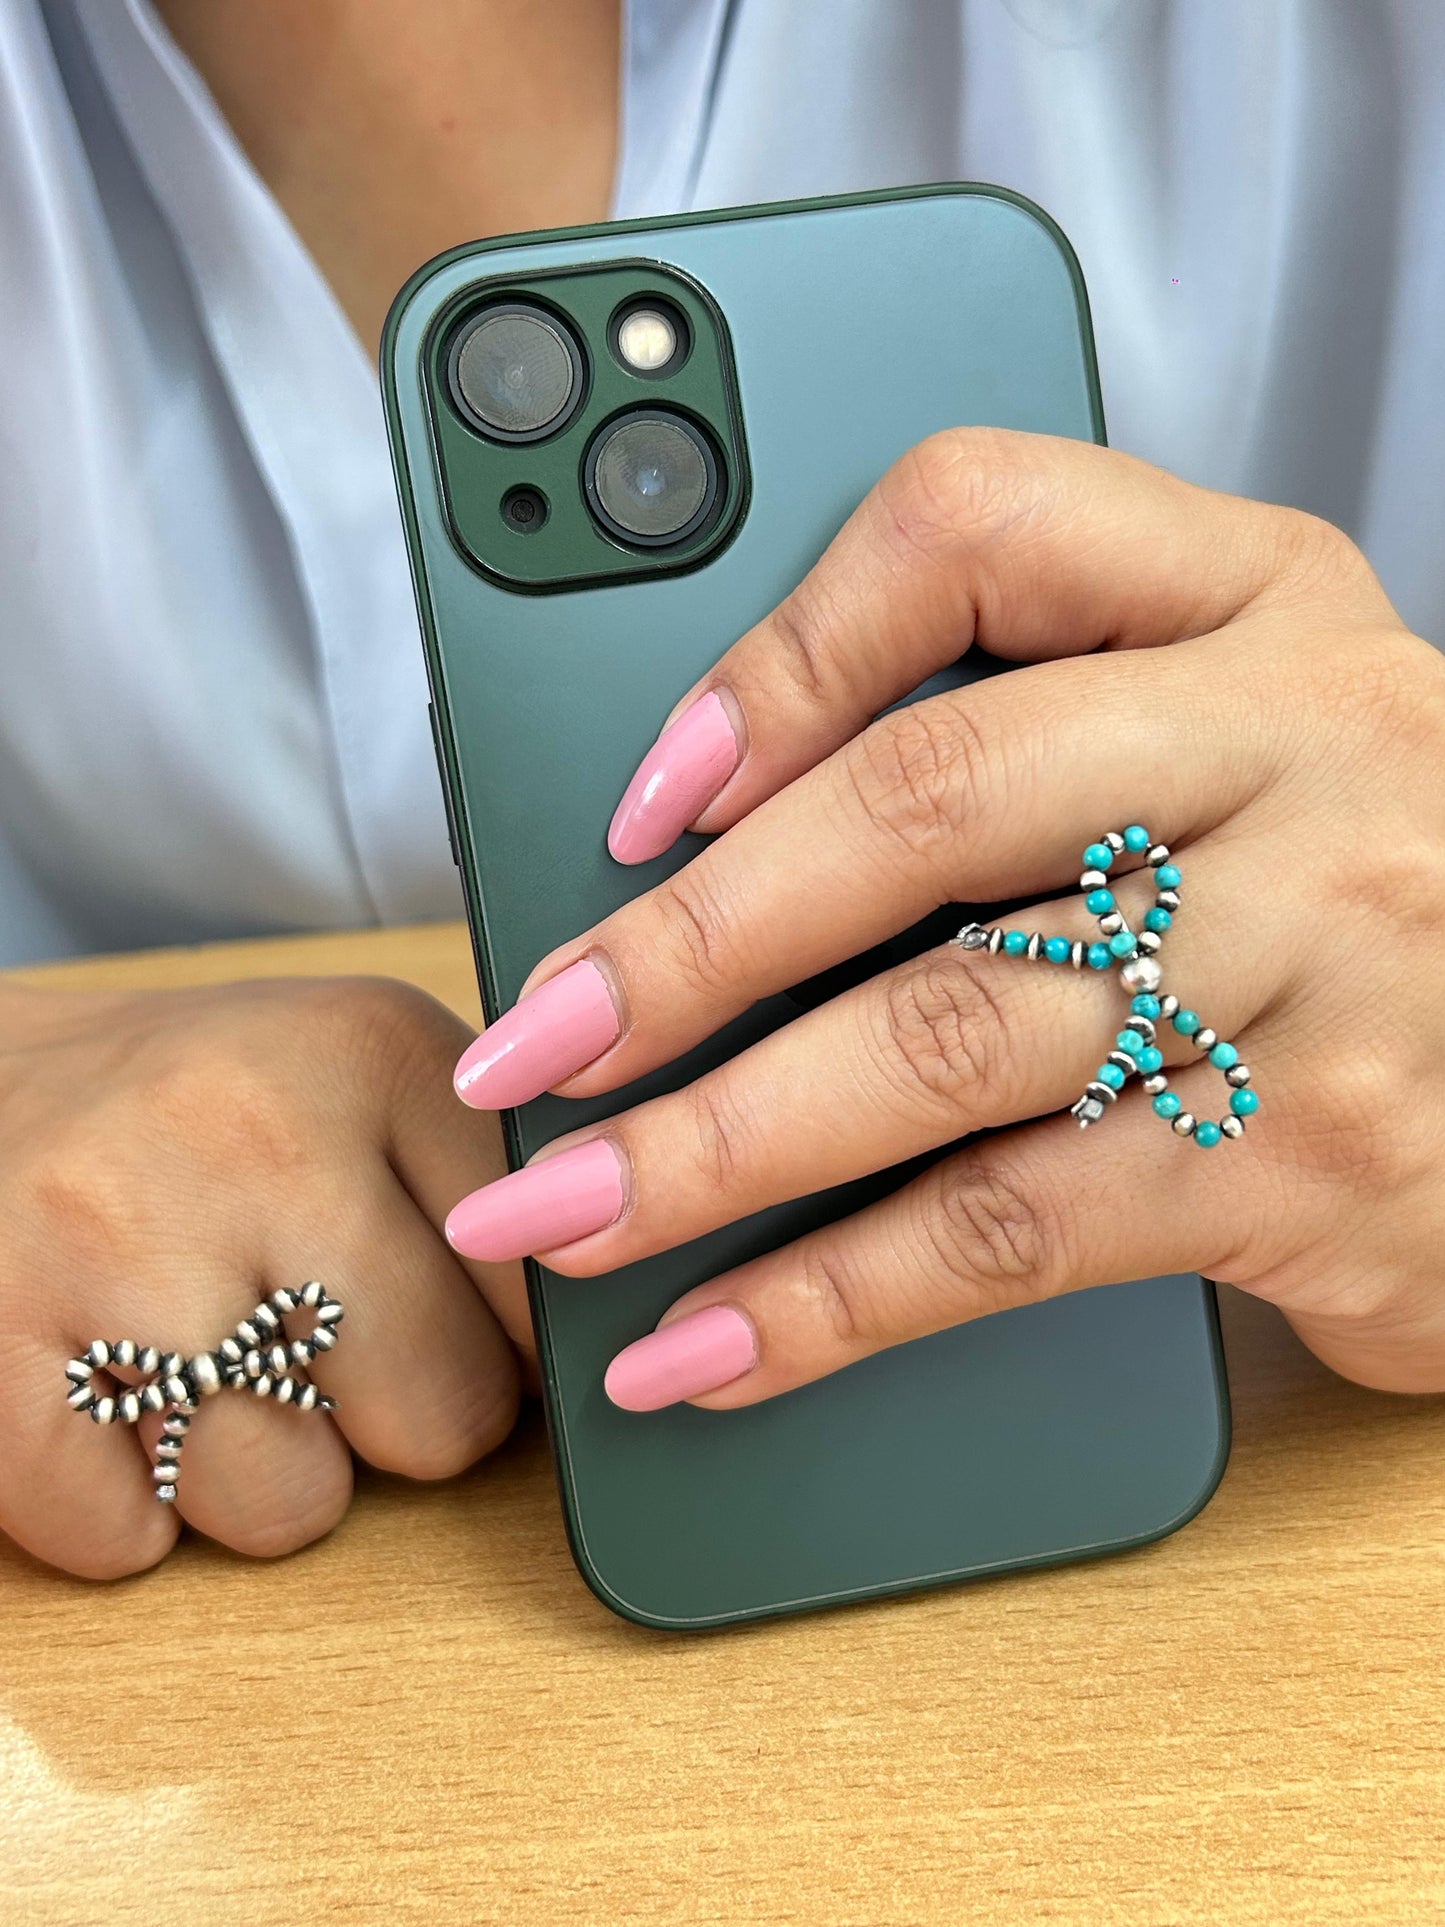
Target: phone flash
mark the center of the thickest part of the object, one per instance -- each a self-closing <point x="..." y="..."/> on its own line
<point x="647" y="340"/>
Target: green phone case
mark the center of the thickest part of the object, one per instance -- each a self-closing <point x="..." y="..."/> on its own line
<point x="1064" y="1429"/>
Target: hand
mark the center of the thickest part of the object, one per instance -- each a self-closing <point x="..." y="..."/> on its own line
<point x="1288" y="743"/>
<point x="168" y="1159"/>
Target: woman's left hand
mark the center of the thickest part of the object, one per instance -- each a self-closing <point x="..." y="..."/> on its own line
<point x="1288" y="744"/>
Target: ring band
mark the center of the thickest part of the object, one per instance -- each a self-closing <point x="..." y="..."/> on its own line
<point x="1136" y="955"/>
<point x="253" y="1359"/>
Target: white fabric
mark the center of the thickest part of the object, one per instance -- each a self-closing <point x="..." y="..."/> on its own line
<point x="212" y="708"/>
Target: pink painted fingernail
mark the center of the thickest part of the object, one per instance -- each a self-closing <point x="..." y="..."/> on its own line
<point x="546" y="1205"/>
<point x="562" y="1025"/>
<point x="676" y="779"/>
<point x="695" y="1354"/>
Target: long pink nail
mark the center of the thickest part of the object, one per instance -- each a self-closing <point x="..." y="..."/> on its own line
<point x="546" y="1205"/>
<point x="561" y="1026"/>
<point x="695" y="1354"/>
<point x="676" y="779"/>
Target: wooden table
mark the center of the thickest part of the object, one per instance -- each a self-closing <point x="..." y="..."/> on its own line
<point x="428" y="1718"/>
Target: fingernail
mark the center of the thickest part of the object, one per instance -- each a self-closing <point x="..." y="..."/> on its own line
<point x="548" y="1204"/>
<point x="679" y="775"/>
<point x="695" y="1354"/>
<point x="562" y="1025"/>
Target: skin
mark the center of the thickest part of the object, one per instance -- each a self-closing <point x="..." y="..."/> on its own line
<point x="167" y="1158"/>
<point x="1227" y="672"/>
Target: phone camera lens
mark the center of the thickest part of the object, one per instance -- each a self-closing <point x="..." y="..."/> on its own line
<point x="516" y="373"/>
<point x="652" y="478"/>
<point x="524" y="510"/>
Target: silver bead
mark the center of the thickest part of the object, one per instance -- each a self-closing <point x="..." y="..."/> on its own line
<point x="278" y="1358"/>
<point x="973" y="936"/>
<point x="1168" y="1006"/>
<point x="152" y="1398"/>
<point x="1232" y="1126"/>
<point x="1035" y="948"/>
<point x="262" y="1386"/>
<point x="1077" y="952"/>
<point x="79" y="1371"/>
<point x="252" y="1364"/>
<point x="301" y="1351"/>
<point x="323" y="1338"/>
<point x="103" y="1411"/>
<point x="285" y="1390"/>
<point x="1141" y="973"/>
<point x="128" y="1407"/>
<point x="1205" y="1038"/>
<point x="169" y="1448"/>
<point x="995" y="942"/>
<point x="98" y="1355"/>
<point x="265" y="1321"/>
<point x="1093" y="880"/>
<point x="312" y="1294"/>
<point x="148" y="1359"/>
<point x="1156" y="854"/>
<point x="1158" y="1082"/>
<point x="307" y="1397"/>
<point x="229" y="1351"/>
<point x="1168" y="900"/>
<point x="171" y="1365"/>
<point x="166" y="1494"/>
<point x="79" y="1396"/>
<point x="1112" y="840"/>
<point x="205" y="1374"/>
<point x="330" y="1314"/>
<point x="1149" y="942"/>
<point x="176" y="1426"/>
<point x="1184" y="1124"/>
<point x="1105" y="1093"/>
<point x="284" y="1300"/>
<point x="1142" y="1027"/>
<point x="1088" y="1111"/>
<point x="1237" y="1076"/>
<point x="1123" y="1061"/>
<point x="1111" y="923"/>
<point x="123" y="1351"/>
<point x="247" y="1333"/>
<point x="176" y="1390"/>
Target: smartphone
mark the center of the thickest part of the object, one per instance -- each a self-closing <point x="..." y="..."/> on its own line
<point x="616" y="448"/>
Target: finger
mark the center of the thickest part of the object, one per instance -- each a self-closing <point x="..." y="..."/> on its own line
<point x="424" y="1378"/>
<point x="1020" y="1217"/>
<point x="1032" y="546"/>
<point x="76" y="1494"/>
<point x="975" y="796"/>
<point x="945" y="1045"/>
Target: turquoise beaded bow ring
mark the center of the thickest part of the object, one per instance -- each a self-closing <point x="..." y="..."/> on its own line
<point x="1135" y="955"/>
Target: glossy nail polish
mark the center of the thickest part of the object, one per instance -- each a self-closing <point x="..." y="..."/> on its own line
<point x="675" y="781"/>
<point x="561" y="1026"/>
<point x="548" y="1204"/>
<point x="692" y="1355"/>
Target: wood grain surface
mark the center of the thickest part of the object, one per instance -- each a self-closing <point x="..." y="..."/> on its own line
<point x="428" y="1718"/>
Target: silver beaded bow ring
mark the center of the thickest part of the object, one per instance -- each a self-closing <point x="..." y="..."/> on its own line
<point x="1134" y="952"/>
<point x="253" y="1359"/>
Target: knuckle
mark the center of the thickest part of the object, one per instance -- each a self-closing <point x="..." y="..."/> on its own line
<point x="918" y="774"/>
<point x="725" y="1139"/>
<point x="697" y="932"/>
<point x="838" y="1305"/>
<point x="452" y="1432"/>
<point x="944" y="1032"/>
<point x="798" y="632"/>
<point x="987" y="1235"/>
<point x="1355" y="1136"/>
<point x="957" y="491"/>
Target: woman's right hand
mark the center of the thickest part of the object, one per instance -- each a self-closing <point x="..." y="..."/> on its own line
<point x="169" y="1158"/>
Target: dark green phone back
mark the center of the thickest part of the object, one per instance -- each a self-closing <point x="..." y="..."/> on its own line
<point x="1068" y="1428"/>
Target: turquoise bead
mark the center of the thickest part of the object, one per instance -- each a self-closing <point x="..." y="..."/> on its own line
<point x="1244" y="1103"/>
<point x="1151" y="1060"/>
<point x="1057" y="949"/>
<point x="1186" y="1022"/>
<point x="1131" y="1041"/>
<point x="1098" y="956"/>
<point x="1098" y="856"/>
<point x="1207" y="1133"/>
<point x="1145" y="1005"/>
<point x="1097" y="902"/>
<point x="1166" y="1104"/>
<point x="1224" y="1057"/>
<point x="1111" y="1075"/>
<point x="1157" y="920"/>
<point x="1136" y="838"/>
<point x="1167" y="877"/>
<point x="1016" y="942"/>
<point x="1122" y="943"/>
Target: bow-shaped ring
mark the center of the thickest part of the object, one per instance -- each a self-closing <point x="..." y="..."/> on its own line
<point x="256" y="1358"/>
<point x="1134" y="1050"/>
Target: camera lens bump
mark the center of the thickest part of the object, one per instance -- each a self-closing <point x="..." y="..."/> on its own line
<point x="652" y="478"/>
<point x="516" y="373"/>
